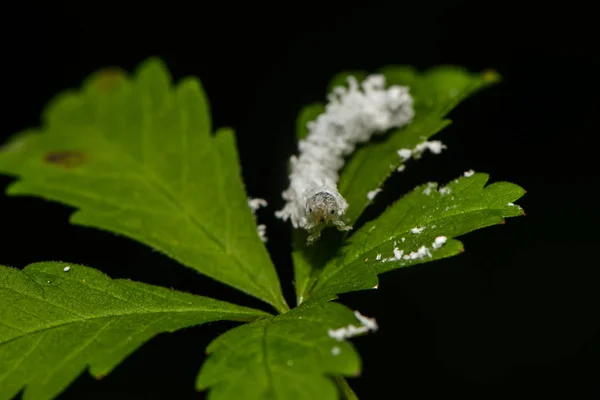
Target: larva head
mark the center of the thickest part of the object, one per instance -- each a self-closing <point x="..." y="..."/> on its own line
<point x="323" y="207"/>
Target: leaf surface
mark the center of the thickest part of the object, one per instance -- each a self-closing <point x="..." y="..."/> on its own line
<point x="55" y="323"/>
<point x="290" y="356"/>
<point x="135" y="156"/>
<point x="414" y="222"/>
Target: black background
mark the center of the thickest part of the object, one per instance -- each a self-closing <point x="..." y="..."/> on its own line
<point x="516" y="315"/>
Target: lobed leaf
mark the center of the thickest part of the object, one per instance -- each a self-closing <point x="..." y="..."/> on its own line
<point x="55" y="323"/>
<point x="136" y="157"/>
<point x="436" y="92"/>
<point x="414" y="221"/>
<point x="290" y="356"/>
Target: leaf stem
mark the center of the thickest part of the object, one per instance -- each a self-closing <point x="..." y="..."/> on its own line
<point x="345" y="389"/>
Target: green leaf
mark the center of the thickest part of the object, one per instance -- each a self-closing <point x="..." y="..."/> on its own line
<point x="55" y="323"/>
<point x="136" y="157"/>
<point x="436" y="92"/>
<point x="464" y="205"/>
<point x="290" y="356"/>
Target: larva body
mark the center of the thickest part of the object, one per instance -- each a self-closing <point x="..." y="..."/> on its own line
<point x="351" y="117"/>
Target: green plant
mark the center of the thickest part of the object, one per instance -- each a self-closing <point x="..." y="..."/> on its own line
<point x="135" y="155"/>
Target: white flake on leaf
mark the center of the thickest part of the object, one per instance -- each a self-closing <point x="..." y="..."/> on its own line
<point x="67" y="268"/>
<point x="262" y="232"/>
<point x="419" y="254"/>
<point x="373" y="193"/>
<point x="335" y="351"/>
<point x="370" y="323"/>
<point x="434" y="146"/>
<point x="366" y="324"/>
<point x="429" y="188"/>
<point x="401" y="168"/>
<point x="445" y="190"/>
<point x="254" y="205"/>
<point x="398" y="253"/>
<point x="423" y="251"/>
<point x="439" y="242"/>
<point x="405" y="154"/>
<point x="469" y="173"/>
<point x="417" y="230"/>
<point x="257" y="203"/>
<point x="347" y="332"/>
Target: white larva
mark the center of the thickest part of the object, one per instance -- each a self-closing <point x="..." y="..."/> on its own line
<point x="351" y="117"/>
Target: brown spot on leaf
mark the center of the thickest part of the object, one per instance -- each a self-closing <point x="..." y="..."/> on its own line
<point x="65" y="159"/>
<point x="108" y="78"/>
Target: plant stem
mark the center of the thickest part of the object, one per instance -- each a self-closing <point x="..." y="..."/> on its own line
<point x="345" y="389"/>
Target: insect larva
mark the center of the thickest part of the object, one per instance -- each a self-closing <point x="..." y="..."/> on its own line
<point x="351" y="117"/>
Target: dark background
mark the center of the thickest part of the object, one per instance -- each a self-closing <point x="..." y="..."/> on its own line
<point x="516" y="315"/>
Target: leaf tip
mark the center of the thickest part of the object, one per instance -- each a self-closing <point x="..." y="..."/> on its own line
<point x="151" y="71"/>
<point x="152" y="62"/>
<point x="490" y="75"/>
<point x="107" y="79"/>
